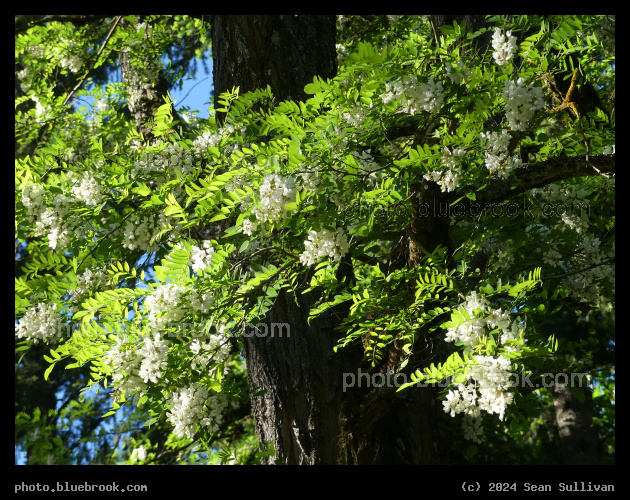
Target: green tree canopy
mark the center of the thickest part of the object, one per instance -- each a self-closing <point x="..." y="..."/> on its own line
<point x="448" y="198"/>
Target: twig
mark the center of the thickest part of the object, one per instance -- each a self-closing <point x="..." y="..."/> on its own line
<point x="101" y="240"/>
<point x="98" y="54"/>
<point x="611" y="259"/>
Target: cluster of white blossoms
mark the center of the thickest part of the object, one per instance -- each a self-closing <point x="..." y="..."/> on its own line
<point x="125" y="364"/>
<point x="473" y="428"/>
<point x="449" y="178"/>
<point x="521" y="102"/>
<point x="275" y="193"/>
<point x="34" y="200"/>
<point x="40" y="322"/>
<point x="470" y="331"/>
<point x="324" y="243"/>
<point x="201" y="301"/>
<point x="249" y="227"/>
<point x="86" y="282"/>
<point x="53" y="220"/>
<point x="487" y="390"/>
<point x="201" y="258"/>
<point x="215" y="348"/>
<point x="342" y="53"/>
<point x="88" y="190"/>
<point x="312" y="179"/>
<point x="500" y="250"/>
<point x="69" y="58"/>
<point x="138" y="454"/>
<point x="587" y="286"/>
<point x="504" y="46"/>
<point x="459" y="74"/>
<point x="205" y="141"/>
<point x="356" y="115"/>
<point x="585" y="282"/>
<point x="101" y="105"/>
<point x="140" y="82"/>
<point x="496" y="152"/>
<point x="489" y="378"/>
<point x="552" y="257"/>
<point x="492" y="376"/>
<point x="55" y="224"/>
<point x="24" y="77"/>
<point x="428" y="96"/>
<point x="42" y="111"/>
<point x="154" y="355"/>
<point x="175" y="159"/>
<point x="213" y="139"/>
<point x="570" y="202"/>
<point x="172" y="162"/>
<point x="163" y="305"/>
<point x="139" y="231"/>
<point x="195" y="406"/>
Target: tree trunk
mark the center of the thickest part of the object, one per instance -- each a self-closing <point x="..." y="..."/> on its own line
<point x="284" y="52"/>
<point x="311" y="410"/>
<point x="303" y="378"/>
<point x="579" y="442"/>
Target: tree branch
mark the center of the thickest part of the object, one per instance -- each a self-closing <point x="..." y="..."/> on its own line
<point x="535" y="176"/>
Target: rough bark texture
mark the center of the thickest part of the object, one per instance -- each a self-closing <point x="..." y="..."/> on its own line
<point x="284" y="52"/>
<point x="303" y="379"/>
<point x="579" y="442"/>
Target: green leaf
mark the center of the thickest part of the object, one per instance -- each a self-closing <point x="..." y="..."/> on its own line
<point x="143" y="190"/>
<point x="48" y="370"/>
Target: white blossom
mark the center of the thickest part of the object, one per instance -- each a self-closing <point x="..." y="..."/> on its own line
<point x="139" y="454"/>
<point x="154" y="355"/>
<point x="449" y="178"/>
<point x="470" y="330"/>
<point x="40" y="322"/>
<point x="125" y="360"/>
<point x="201" y="258"/>
<point x="521" y="103"/>
<point x="163" y="305"/>
<point x="275" y="193"/>
<point x="34" y="200"/>
<point x="88" y="191"/>
<point x="249" y="227"/>
<point x="194" y="406"/>
<point x="428" y="96"/>
<point x="496" y="153"/>
<point x="503" y="45"/>
<point x="457" y="75"/>
<point x="324" y="243"/>
<point x="101" y="105"/>
<point x="215" y="348"/>
<point x="86" y="282"/>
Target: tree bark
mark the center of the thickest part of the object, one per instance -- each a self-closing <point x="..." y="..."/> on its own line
<point x="579" y="442"/>
<point x="284" y="52"/>
<point x="303" y="378"/>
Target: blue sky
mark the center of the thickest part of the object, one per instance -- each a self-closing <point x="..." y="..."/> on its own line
<point x="195" y="92"/>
